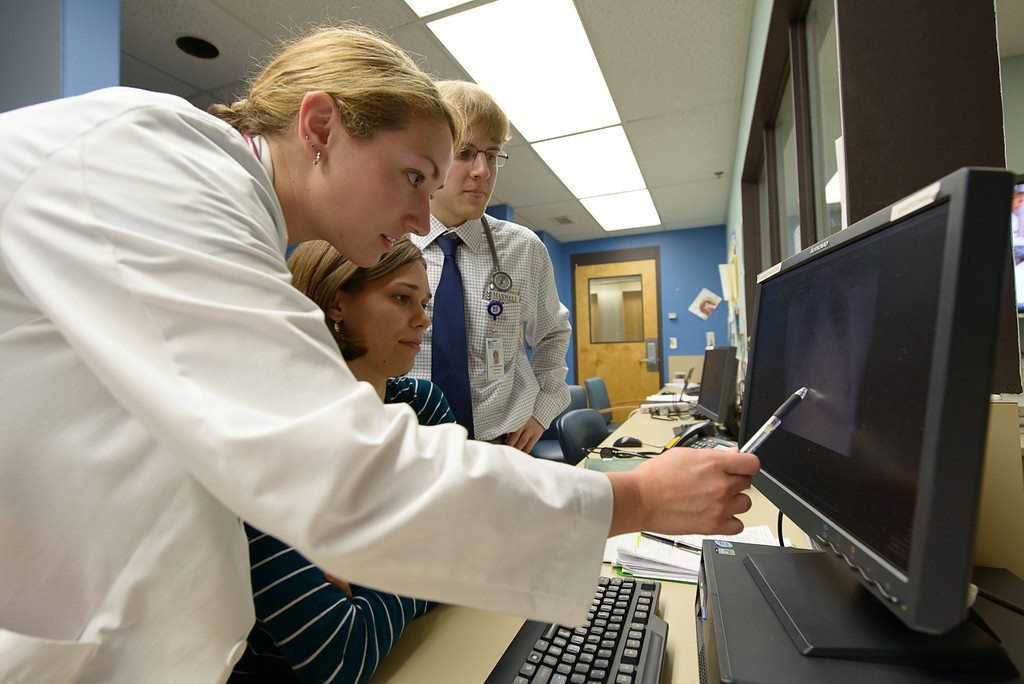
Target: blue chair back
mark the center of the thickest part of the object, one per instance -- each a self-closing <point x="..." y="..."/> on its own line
<point x="577" y="400"/>
<point x="579" y="430"/>
<point x="597" y="397"/>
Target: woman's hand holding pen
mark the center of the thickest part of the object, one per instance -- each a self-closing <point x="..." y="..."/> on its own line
<point x="684" y="491"/>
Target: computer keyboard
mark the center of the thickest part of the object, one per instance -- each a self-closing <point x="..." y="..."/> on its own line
<point x="622" y="642"/>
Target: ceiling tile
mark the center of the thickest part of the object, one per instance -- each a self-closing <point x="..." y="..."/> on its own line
<point x="282" y="19"/>
<point x="671" y="54"/>
<point x="685" y="146"/>
<point x="149" y="29"/>
<point x="139" y="74"/>
<point x="692" y="204"/>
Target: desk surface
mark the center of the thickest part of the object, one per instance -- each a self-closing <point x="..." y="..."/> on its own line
<point x="456" y="644"/>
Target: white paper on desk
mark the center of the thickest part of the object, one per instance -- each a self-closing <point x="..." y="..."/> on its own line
<point x="758" y="534"/>
<point x="653" y="559"/>
<point x="670" y="398"/>
<point x="648" y="558"/>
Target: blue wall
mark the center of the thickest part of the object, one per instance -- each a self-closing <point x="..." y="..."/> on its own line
<point x="689" y="261"/>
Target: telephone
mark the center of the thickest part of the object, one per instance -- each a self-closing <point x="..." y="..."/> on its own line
<point x="690" y="433"/>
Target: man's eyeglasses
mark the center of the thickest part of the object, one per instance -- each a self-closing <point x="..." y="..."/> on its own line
<point x="494" y="158"/>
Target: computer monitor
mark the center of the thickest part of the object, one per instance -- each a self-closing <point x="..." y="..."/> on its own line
<point x="891" y="325"/>
<point x="1017" y="238"/>
<point x="717" y="396"/>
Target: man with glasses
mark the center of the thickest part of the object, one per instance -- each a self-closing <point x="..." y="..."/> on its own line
<point x="507" y="291"/>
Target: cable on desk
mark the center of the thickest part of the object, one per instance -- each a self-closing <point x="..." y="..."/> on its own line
<point x="1001" y="601"/>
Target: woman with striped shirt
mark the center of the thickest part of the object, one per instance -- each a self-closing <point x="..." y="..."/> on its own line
<point x="312" y="627"/>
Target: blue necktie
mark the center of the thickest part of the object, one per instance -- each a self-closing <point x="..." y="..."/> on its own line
<point x="449" y="360"/>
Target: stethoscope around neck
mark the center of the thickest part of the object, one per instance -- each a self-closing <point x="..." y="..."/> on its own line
<point x="500" y="281"/>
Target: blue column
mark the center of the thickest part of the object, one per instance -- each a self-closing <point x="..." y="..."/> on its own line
<point x="54" y="48"/>
<point x="91" y="40"/>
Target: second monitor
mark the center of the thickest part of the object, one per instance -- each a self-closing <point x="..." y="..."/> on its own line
<point x="717" y="399"/>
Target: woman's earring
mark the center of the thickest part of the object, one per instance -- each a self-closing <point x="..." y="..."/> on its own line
<point x="337" y="327"/>
<point x="316" y="159"/>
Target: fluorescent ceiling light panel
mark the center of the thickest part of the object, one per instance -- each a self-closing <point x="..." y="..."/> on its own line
<point x="534" y="58"/>
<point x="624" y="210"/>
<point x="595" y="163"/>
<point x="425" y="8"/>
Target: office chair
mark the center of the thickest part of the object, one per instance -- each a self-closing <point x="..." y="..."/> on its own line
<point x="580" y="430"/>
<point x="597" y="398"/>
<point x="547" y="447"/>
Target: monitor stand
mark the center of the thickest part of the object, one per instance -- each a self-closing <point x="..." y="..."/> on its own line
<point x="828" y="614"/>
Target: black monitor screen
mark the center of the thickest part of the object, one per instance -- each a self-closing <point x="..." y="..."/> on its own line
<point x="1017" y="237"/>
<point x="848" y="326"/>
<point x="717" y="384"/>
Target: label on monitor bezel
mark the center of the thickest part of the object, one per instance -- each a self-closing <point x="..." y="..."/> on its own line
<point x="768" y="273"/>
<point x="912" y="203"/>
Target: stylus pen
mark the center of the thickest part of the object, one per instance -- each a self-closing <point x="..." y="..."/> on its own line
<point x="671" y="542"/>
<point x="774" y="421"/>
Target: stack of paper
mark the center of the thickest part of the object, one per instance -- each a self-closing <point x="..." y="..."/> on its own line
<point x="670" y="398"/>
<point x="645" y="557"/>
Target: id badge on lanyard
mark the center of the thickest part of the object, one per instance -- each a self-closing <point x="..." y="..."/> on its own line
<point x="494" y="352"/>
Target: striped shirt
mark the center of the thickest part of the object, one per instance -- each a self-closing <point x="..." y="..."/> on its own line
<point x="530" y="386"/>
<point x="307" y="629"/>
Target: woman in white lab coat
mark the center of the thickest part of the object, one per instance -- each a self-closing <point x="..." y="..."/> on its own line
<point x="150" y="343"/>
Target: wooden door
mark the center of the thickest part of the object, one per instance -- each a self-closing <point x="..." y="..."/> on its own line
<point x="611" y="341"/>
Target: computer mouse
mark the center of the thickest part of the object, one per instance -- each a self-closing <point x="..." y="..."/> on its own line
<point x="629" y="442"/>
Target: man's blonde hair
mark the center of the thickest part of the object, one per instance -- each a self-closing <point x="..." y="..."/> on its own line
<point x="477" y="109"/>
<point x="375" y="84"/>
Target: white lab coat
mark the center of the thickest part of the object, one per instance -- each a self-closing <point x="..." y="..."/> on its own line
<point x="161" y="378"/>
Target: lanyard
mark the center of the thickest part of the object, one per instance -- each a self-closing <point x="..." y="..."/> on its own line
<point x="500" y="281"/>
